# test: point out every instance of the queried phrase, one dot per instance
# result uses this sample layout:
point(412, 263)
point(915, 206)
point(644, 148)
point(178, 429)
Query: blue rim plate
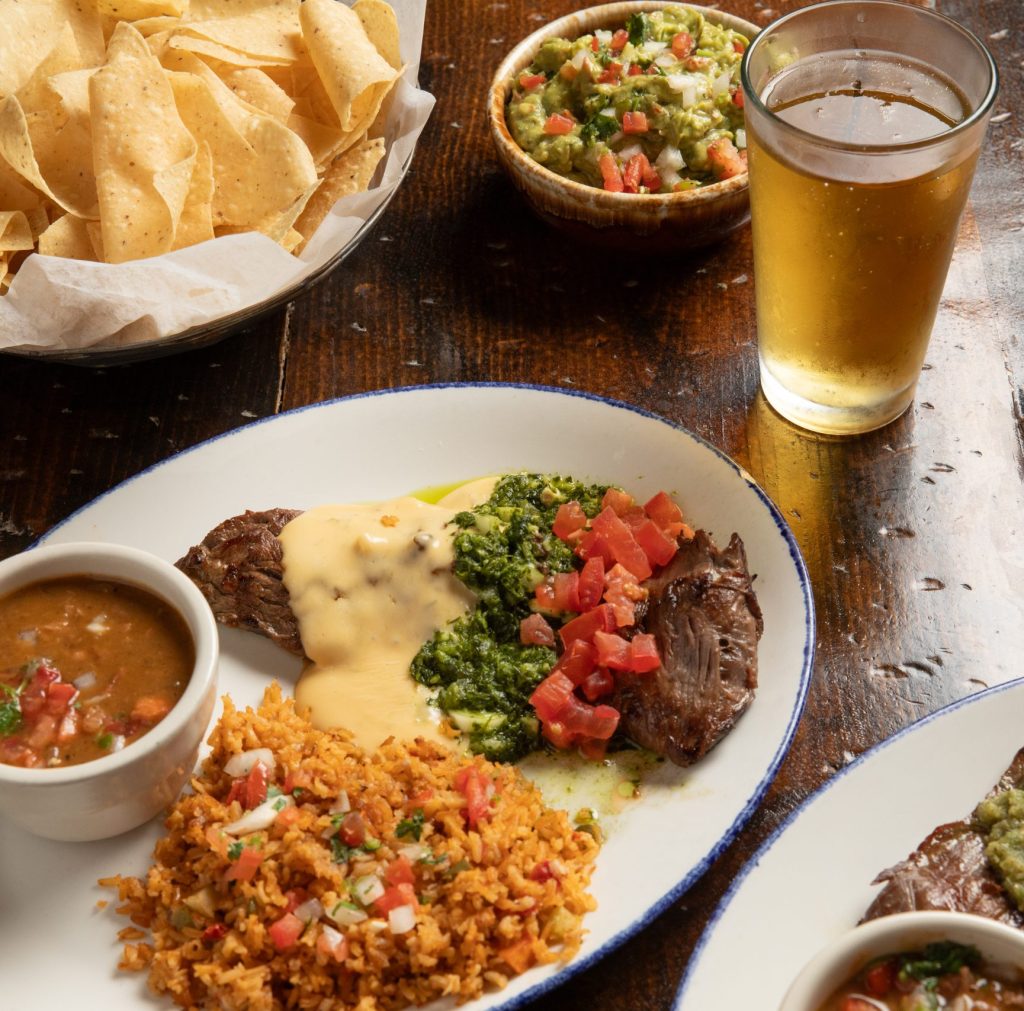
point(812, 879)
point(388, 443)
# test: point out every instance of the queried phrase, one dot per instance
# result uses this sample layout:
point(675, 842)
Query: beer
point(849, 270)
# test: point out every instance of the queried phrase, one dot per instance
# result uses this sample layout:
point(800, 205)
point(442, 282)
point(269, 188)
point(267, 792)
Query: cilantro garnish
point(639, 27)
point(411, 826)
point(235, 850)
point(340, 853)
point(10, 711)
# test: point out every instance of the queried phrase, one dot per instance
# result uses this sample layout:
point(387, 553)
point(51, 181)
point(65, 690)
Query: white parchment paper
point(62, 304)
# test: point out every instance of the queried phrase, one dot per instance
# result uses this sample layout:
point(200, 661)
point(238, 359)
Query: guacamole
point(1001, 820)
point(652, 107)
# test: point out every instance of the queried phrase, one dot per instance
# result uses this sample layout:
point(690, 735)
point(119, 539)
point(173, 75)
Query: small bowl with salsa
point(933, 959)
point(623, 124)
point(108, 669)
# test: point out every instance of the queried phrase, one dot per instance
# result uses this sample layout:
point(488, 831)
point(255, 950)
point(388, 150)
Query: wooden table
point(911, 534)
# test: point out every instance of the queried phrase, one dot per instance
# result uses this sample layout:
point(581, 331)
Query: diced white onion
point(241, 765)
point(721, 85)
point(29, 635)
point(629, 152)
point(310, 910)
point(665, 60)
point(578, 59)
point(117, 743)
point(367, 889)
point(689, 96)
point(329, 940)
point(741, 138)
point(669, 179)
point(625, 68)
point(401, 919)
point(346, 915)
point(378, 925)
point(670, 159)
point(652, 48)
point(98, 625)
point(603, 36)
point(607, 112)
point(615, 138)
point(259, 817)
point(85, 681)
point(412, 852)
point(341, 805)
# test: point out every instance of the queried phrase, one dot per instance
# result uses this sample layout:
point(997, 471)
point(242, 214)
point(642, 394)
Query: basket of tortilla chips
point(169, 169)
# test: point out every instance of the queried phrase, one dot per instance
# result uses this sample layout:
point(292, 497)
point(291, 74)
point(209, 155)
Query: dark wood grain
point(911, 534)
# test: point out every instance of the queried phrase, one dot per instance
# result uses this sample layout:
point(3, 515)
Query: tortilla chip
point(262, 28)
point(350, 173)
point(31, 28)
point(143, 154)
point(15, 193)
point(355, 76)
point(261, 168)
point(257, 89)
point(292, 240)
point(154, 25)
point(196, 223)
point(137, 10)
point(15, 232)
point(204, 47)
point(67, 236)
point(381, 27)
point(325, 143)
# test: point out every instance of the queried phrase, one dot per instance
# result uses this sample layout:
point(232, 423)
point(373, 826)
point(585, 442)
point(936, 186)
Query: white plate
point(811, 881)
point(381, 445)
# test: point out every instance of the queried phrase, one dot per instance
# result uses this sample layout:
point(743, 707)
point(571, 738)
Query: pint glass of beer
point(864, 121)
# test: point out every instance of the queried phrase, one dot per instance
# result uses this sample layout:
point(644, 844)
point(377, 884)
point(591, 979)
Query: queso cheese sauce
point(86, 666)
point(369, 584)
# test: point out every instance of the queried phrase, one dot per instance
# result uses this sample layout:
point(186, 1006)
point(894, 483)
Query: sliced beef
point(238, 568)
point(705, 617)
point(949, 871)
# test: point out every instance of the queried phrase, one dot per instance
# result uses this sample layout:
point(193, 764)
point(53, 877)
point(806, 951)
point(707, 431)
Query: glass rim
point(979, 113)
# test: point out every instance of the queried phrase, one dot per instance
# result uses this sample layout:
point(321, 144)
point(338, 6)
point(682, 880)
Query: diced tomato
point(558, 734)
point(287, 816)
point(530, 81)
point(558, 123)
point(214, 932)
point(649, 176)
point(535, 631)
point(594, 545)
point(577, 661)
point(622, 592)
point(297, 780)
point(419, 798)
point(400, 871)
point(44, 733)
point(544, 598)
point(218, 841)
point(34, 694)
point(569, 519)
point(59, 696)
point(666, 514)
point(478, 789)
point(620, 502)
point(737, 98)
point(619, 40)
point(682, 45)
point(398, 895)
point(725, 160)
point(635, 70)
point(595, 44)
point(600, 618)
point(621, 541)
point(286, 931)
point(593, 750)
point(589, 721)
point(611, 74)
point(598, 684)
point(610, 173)
point(631, 174)
point(254, 790)
point(352, 830)
point(567, 591)
point(738, 46)
point(591, 584)
point(634, 122)
point(881, 978)
point(643, 653)
point(245, 867)
point(236, 792)
point(549, 696)
point(542, 872)
point(659, 548)
point(151, 709)
point(612, 651)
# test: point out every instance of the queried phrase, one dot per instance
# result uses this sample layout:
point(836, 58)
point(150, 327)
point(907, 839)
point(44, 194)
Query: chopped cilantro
point(598, 127)
point(462, 865)
point(941, 958)
point(105, 740)
point(340, 853)
point(431, 860)
point(297, 792)
point(411, 826)
point(235, 850)
point(639, 28)
point(10, 711)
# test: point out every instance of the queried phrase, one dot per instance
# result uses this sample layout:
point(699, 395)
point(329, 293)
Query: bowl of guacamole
point(624, 123)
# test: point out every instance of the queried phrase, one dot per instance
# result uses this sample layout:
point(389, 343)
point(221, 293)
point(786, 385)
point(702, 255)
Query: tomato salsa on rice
point(87, 666)
point(654, 106)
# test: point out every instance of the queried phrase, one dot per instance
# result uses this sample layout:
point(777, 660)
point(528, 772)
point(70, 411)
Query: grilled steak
point(949, 871)
point(701, 610)
point(238, 568)
point(705, 617)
